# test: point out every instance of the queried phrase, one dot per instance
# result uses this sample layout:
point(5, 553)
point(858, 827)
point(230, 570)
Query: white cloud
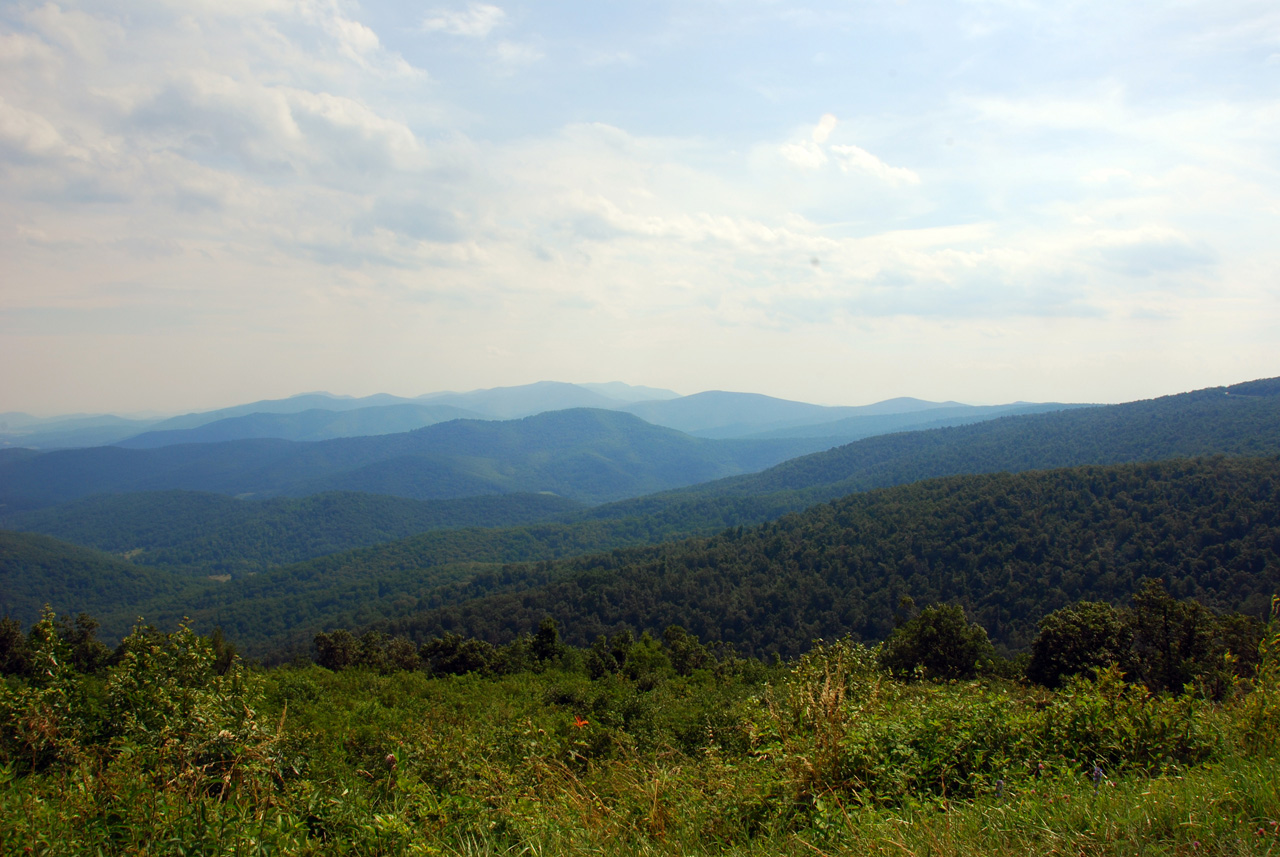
point(806, 155)
point(854, 159)
point(32, 135)
point(265, 166)
point(355, 40)
point(1106, 175)
point(822, 131)
point(476, 20)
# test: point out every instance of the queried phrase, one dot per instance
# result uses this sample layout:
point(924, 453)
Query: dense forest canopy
point(1009, 547)
point(205, 533)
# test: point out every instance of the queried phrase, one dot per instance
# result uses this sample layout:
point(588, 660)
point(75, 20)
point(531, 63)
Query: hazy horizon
point(212, 203)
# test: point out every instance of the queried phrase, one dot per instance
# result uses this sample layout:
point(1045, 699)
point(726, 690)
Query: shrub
point(941, 641)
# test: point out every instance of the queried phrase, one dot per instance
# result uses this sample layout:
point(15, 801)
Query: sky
point(208, 202)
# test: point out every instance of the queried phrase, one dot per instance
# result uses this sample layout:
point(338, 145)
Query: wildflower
point(580, 722)
point(1000, 790)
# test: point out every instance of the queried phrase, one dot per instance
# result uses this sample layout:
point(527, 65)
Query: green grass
point(827, 756)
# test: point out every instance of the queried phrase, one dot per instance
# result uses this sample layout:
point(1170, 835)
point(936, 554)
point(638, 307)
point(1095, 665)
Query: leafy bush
point(941, 642)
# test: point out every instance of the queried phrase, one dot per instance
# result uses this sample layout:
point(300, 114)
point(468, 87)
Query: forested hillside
point(36, 570)
point(285, 606)
point(1243, 419)
point(217, 535)
point(204, 533)
point(438, 570)
point(1011, 548)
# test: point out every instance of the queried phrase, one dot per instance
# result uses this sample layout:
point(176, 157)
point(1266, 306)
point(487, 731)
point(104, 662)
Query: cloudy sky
point(205, 202)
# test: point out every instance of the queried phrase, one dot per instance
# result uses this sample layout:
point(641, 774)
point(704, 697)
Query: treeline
point(1009, 547)
point(63, 643)
point(1159, 641)
point(644, 659)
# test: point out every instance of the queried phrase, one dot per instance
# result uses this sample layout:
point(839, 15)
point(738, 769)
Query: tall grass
point(829, 756)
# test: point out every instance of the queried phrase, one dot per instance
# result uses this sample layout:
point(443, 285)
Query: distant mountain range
point(590, 456)
point(311, 424)
point(433, 570)
point(322, 416)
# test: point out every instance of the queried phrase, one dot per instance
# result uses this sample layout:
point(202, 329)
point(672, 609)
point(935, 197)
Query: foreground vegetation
point(634, 746)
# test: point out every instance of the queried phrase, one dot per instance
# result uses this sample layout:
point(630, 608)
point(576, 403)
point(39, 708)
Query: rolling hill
point(205, 534)
point(589, 456)
point(312, 424)
point(388, 580)
point(1009, 547)
point(1243, 419)
point(36, 570)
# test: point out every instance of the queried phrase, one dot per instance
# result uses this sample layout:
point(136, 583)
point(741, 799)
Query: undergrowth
point(164, 755)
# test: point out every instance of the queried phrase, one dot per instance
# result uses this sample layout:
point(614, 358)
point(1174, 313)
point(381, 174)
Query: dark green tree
point(453, 654)
point(685, 651)
point(546, 642)
point(402, 654)
point(336, 651)
point(1172, 639)
point(941, 640)
point(13, 647)
point(224, 653)
point(1078, 639)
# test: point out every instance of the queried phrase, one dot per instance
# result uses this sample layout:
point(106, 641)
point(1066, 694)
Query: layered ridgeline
point(320, 416)
point(590, 456)
point(1243, 419)
point(313, 424)
point(1234, 420)
point(213, 534)
point(1011, 547)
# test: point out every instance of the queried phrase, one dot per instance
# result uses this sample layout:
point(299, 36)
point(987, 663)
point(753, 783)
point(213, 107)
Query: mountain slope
point(721, 414)
point(1243, 419)
point(854, 428)
point(36, 570)
point(505, 403)
point(587, 455)
point(204, 534)
point(313, 424)
point(1010, 547)
point(291, 405)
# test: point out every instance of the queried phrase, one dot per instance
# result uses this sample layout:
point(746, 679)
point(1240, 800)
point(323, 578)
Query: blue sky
point(205, 202)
